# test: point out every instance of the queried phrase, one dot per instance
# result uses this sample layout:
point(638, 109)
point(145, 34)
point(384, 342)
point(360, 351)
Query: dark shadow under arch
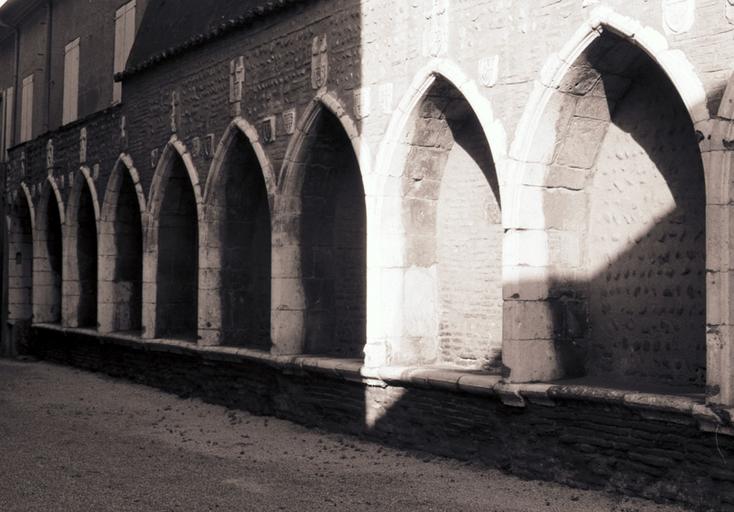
point(333, 241)
point(177, 265)
point(20, 260)
point(86, 252)
point(630, 185)
point(243, 231)
point(48, 281)
point(128, 263)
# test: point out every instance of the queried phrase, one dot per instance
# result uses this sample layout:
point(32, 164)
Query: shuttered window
point(26, 109)
point(124, 37)
point(7, 120)
point(2, 126)
point(71, 82)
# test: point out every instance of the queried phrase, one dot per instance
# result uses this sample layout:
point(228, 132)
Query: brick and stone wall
point(451, 225)
point(514, 192)
point(453, 231)
point(647, 244)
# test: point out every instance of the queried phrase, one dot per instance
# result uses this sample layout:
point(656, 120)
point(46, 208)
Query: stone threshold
point(656, 406)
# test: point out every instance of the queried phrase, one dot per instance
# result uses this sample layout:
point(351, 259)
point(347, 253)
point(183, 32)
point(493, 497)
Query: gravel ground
point(76, 441)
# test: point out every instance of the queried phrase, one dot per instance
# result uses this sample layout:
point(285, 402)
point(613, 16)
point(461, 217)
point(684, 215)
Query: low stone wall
point(656, 446)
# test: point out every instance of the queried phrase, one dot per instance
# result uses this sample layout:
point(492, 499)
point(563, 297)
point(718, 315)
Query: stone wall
point(452, 223)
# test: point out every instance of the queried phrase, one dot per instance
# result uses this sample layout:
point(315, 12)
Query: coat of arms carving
point(678, 15)
point(319, 62)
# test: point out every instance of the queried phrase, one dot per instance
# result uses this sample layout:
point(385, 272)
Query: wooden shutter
point(124, 37)
point(26, 109)
point(3, 106)
point(71, 82)
point(8, 119)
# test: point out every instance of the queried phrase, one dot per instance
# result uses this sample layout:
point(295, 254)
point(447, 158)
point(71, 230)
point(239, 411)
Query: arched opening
point(47, 260)
point(121, 251)
point(176, 290)
point(123, 262)
point(624, 205)
point(20, 260)
point(453, 231)
point(86, 252)
point(242, 232)
point(333, 241)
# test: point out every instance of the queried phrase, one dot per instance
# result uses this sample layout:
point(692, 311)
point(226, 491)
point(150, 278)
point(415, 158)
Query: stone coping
point(653, 405)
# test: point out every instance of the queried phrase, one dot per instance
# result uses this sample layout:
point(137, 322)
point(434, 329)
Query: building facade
point(518, 200)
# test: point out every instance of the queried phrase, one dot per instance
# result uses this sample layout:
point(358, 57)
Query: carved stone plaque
point(436, 35)
point(289, 121)
point(50, 155)
point(489, 70)
point(319, 61)
point(83, 145)
point(361, 102)
point(678, 15)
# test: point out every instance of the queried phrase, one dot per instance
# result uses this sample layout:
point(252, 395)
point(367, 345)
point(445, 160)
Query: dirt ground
point(77, 441)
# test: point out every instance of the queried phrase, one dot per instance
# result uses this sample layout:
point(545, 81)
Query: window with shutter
point(8, 119)
point(2, 126)
point(71, 82)
point(124, 37)
point(26, 109)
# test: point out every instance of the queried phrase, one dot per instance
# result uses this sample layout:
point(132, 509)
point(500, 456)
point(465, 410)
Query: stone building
point(490, 229)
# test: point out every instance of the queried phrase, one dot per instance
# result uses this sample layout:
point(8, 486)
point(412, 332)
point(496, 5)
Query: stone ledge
point(660, 406)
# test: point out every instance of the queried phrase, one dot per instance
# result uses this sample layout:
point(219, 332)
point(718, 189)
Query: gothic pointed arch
point(608, 223)
point(80, 250)
point(48, 254)
point(235, 277)
point(120, 261)
point(319, 269)
point(719, 166)
point(171, 247)
point(20, 256)
point(443, 179)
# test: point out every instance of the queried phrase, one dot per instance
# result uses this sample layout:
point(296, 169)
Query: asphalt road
point(76, 441)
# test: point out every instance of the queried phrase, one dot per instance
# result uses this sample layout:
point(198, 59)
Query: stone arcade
point(490, 229)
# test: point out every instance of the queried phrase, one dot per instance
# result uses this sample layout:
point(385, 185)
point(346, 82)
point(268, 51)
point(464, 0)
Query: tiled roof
point(170, 27)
